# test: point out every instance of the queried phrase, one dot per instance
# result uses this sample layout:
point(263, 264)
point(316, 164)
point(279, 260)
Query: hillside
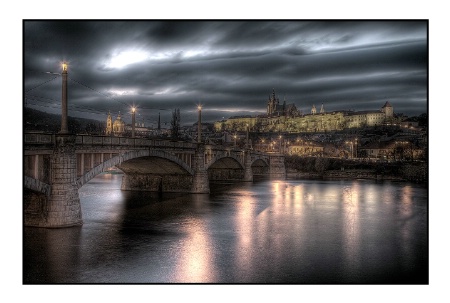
point(34, 120)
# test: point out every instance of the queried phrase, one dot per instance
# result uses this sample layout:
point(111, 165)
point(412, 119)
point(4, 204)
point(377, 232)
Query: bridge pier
point(63, 207)
point(200, 183)
point(277, 170)
point(248, 173)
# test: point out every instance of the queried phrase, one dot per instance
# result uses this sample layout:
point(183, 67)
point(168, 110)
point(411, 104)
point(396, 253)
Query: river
point(288, 232)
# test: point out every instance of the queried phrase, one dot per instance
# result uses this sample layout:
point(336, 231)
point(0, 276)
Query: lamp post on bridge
point(246, 138)
point(199, 129)
point(280, 143)
point(64, 128)
point(133, 120)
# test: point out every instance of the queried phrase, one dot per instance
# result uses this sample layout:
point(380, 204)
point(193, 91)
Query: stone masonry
point(63, 206)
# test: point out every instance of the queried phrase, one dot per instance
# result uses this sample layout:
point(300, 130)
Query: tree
point(175, 124)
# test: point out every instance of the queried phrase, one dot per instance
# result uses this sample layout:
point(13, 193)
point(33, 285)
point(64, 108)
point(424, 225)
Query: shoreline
point(349, 174)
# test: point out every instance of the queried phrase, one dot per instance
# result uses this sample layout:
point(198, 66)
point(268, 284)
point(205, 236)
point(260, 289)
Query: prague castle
point(287, 118)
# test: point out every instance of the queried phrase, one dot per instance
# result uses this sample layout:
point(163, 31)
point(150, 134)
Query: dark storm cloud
point(230, 67)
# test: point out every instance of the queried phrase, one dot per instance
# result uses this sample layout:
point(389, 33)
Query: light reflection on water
point(293, 231)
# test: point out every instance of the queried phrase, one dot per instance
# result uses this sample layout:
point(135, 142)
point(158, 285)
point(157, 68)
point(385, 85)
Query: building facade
point(116, 128)
point(286, 118)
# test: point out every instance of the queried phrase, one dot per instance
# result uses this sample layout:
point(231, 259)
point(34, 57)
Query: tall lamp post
point(133, 120)
point(64, 129)
point(280, 144)
point(246, 138)
point(351, 148)
point(199, 130)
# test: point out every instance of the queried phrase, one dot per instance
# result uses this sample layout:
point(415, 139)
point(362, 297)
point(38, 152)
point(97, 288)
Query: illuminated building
point(286, 118)
point(117, 128)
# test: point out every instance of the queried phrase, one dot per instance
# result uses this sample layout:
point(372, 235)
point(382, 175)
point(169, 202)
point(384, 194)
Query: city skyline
point(230, 67)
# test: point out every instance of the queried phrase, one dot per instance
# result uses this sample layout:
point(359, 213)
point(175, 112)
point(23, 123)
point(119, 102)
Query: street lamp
point(351, 148)
point(199, 130)
point(280, 144)
point(133, 120)
point(235, 137)
point(64, 128)
point(246, 139)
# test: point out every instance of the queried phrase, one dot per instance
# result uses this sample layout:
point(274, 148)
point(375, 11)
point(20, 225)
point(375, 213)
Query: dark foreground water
point(294, 231)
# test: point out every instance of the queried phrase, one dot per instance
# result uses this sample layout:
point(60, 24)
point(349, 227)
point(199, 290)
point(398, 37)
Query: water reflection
point(351, 229)
point(56, 254)
point(196, 258)
point(246, 227)
point(313, 232)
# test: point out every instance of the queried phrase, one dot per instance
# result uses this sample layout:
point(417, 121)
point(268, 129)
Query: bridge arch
point(259, 160)
point(222, 157)
point(225, 168)
point(127, 156)
point(260, 167)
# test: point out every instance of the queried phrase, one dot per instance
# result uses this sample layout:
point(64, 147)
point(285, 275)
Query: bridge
point(57, 165)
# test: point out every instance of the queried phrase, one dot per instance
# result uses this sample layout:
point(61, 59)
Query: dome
point(118, 126)
point(118, 122)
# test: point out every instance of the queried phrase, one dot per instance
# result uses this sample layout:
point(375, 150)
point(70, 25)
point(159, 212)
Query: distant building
point(286, 118)
point(275, 109)
point(394, 149)
point(305, 148)
point(114, 129)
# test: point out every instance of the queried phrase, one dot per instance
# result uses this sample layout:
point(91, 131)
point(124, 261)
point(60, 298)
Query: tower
point(322, 110)
point(388, 110)
point(108, 125)
point(272, 104)
point(159, 121)
point(313, 110)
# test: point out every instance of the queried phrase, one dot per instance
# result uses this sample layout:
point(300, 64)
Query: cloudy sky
point(230, 67)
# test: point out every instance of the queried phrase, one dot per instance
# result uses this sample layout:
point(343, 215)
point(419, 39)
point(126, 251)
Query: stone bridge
point(57, 165)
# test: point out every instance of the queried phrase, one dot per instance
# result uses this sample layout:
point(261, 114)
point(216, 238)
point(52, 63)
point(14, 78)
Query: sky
point(230, 67)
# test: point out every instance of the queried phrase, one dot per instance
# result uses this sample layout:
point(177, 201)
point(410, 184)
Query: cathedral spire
point(159, 121)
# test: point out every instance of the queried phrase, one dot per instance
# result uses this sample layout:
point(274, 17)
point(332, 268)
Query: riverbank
point(333, 168)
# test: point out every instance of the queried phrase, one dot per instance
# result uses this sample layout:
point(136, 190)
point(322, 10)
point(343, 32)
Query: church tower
point(388, 110)
point(159, 121)
point(322, 110)
point(313, 110)
point(272, 104)
point(108, 131)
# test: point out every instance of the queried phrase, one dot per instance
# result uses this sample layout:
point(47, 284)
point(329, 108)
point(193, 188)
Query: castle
point(287, 118)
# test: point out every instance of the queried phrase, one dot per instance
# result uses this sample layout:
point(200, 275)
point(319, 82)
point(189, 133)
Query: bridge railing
point(39, 138)
point(131, 142)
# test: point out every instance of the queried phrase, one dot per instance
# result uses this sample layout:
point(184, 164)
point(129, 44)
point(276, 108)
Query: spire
point(387, 104)
point(322, 110)
point(159, 121)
